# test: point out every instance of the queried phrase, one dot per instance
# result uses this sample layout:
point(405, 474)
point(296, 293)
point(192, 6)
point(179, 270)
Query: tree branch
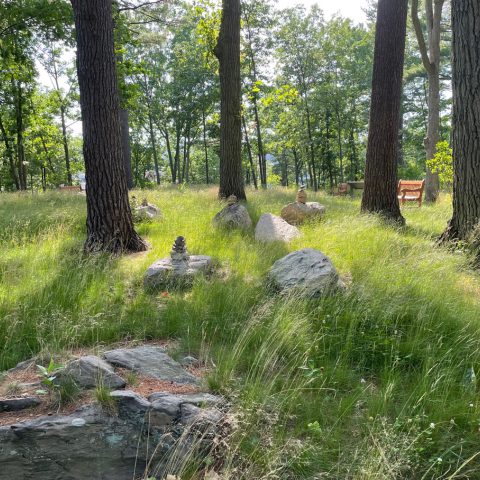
point(420, 38)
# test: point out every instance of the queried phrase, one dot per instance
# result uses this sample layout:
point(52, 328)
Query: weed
point(106, 401)
point(12, 388)
point(132, 379)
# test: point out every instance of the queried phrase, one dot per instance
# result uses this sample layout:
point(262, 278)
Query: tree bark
point(205, 144)
point(431, 62)
point(126, 147)
point(109, 218)
point(465, 121)
point(65, 145)
point(249, 153)
point(380, 188)
point(227, 51)
point(154, 146)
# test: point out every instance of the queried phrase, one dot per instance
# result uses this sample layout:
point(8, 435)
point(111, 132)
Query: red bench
point(410, 191)
point(341, 190)
point(76, 187)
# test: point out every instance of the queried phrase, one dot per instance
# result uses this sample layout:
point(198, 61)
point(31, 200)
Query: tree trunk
point(205, 144)
point(296, 165)
point(109, 218)
point(340, 142)
point(400, 159)
point(227, 51)
point(65, 145)
point(380, 188)
point(249, 153)
point(154, 146)
point(127, 150)
point(169, 150)
point(465, 121)
point(261, 156)
point(431, 62)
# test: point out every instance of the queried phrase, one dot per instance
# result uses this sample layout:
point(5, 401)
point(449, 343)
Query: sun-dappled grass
point(386, 396)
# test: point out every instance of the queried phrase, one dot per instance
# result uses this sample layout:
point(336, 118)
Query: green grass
point(408, 326)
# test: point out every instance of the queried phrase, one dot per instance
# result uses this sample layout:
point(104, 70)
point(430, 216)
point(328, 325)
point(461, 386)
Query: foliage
point(48, 374)
point(442, 164)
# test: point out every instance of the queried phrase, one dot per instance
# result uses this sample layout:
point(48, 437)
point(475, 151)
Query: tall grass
point(387, 397)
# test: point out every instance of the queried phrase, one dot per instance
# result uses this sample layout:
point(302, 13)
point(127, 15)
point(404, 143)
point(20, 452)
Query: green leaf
point(43, 369)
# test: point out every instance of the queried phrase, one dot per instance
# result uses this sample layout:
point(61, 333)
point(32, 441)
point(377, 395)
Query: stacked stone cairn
point(233, 215)
point(301, 210)
point(178, 269)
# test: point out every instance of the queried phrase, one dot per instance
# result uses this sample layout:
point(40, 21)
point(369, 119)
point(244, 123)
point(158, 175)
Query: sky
point(347, 8)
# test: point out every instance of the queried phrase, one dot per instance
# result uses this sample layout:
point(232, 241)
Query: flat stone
point(170, 271)
point(308, 270)
point(130, 403)
point(15, 404)
point(271, 228)
point(188, 360)
point(22, 365)
point(233, 216)
point(151, 362)
point(164, 410)
point(298, 212)
point(88, 371)
point(200, 399)
point(149, 211)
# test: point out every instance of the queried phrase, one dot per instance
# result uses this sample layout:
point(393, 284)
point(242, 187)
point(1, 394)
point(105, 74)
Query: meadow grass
point(387, 396)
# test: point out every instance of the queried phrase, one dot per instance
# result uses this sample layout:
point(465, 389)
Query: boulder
point(178, 272)
point(307, 270)
point(271, 228)
point(15, 404)
point(91, 444)
point(22, 365)
point(298, 212)
point(233, 216)
point(149, 211)
point(88, 371)
point(151, 362)
point(199, 417)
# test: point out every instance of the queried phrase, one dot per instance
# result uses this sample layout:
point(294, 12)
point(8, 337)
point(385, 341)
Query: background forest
point(306, 92)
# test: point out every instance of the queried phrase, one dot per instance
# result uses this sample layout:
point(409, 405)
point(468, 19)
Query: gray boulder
point(176, 272)
point(15, 404)
point(307, 270)
point(22, 365)
point(151, 362)
point(233, 216)
point(91, 444)
point(199, 417)
point(271, 228)
point(298, 212)
point(148, 211)
point(89, 371)
point(188, 360)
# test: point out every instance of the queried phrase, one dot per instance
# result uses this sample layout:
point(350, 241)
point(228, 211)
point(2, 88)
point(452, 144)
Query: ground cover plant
point(370, 384)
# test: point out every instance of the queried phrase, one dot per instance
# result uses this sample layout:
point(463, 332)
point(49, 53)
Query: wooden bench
point(410, 191)
point(341, 190)
point(76, 187)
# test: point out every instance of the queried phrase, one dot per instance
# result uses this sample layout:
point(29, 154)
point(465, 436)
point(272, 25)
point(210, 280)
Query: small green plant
point(48, 374)
point(67, 391)
point(314, 428)
point(310, 369)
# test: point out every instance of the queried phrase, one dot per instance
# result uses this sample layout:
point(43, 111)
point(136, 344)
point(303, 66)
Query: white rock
point(271, 228)
point(308, 270)
point(297, 212)
point(235, 215)
point(150, 211)
point(167, 270)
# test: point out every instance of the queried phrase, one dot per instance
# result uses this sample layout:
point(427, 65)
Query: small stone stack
point(180, 268)
point(301, 210)
point(233, 215)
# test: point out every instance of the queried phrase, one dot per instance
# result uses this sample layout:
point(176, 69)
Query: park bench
point(341, 190)
point(410, 191)
point(74, 188)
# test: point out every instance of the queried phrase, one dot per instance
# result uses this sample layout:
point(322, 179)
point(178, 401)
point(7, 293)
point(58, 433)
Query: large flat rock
point(151, 362)
point(167, 271)
point(308, 271)
point(298, 212)
point(91, 444)
point(89, 371)
point(16, 404)
point(271, 228)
